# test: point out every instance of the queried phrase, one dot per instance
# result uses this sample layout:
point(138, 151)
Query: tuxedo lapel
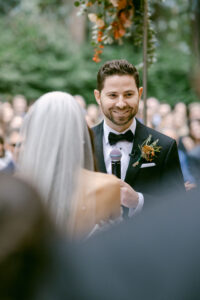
point(98, 139)
point(141, 134)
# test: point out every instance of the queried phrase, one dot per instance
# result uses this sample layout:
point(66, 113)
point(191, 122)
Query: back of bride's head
point(56, 146)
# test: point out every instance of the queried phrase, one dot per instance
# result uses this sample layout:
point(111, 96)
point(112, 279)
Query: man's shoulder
point(97, 128)
point(163, 139)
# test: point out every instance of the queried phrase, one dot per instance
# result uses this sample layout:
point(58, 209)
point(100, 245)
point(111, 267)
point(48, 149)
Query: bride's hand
point(129, 197)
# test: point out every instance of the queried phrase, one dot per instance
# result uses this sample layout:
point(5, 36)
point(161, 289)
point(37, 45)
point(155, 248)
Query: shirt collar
point(107, 130)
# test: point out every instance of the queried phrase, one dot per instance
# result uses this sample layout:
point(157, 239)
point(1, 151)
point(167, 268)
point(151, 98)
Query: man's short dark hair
point(116, 67)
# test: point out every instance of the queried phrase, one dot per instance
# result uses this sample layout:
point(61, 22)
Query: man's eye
point(112, 95)
point(129, 95)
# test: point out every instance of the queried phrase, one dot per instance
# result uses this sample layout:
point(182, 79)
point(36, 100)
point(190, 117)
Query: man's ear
point(140, 92)
point(97, 96)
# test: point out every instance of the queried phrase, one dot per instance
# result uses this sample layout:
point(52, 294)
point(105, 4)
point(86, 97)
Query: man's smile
point(121, 112)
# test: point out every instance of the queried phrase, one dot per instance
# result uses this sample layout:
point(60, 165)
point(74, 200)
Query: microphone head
point(115, 155)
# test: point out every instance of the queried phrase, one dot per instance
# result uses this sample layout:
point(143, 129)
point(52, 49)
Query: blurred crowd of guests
point(183, 124)
point(180, 122)
point(11, 119)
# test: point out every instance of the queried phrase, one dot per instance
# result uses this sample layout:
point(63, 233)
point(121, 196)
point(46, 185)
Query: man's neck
point(118, 128)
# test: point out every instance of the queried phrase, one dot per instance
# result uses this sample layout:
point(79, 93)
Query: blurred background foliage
point(44, 46)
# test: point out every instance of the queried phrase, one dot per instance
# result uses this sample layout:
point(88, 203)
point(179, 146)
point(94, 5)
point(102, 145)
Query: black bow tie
point(114, 138)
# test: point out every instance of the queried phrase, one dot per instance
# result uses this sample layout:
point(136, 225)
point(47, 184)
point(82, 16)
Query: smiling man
point(119, 99)
point(149, 165)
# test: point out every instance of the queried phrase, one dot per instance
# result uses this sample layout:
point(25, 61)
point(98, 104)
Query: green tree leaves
point(7, 6)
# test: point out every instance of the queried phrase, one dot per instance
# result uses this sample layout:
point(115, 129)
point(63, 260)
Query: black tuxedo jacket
point(164, 177)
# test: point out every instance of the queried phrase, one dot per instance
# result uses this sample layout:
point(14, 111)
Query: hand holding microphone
point(129, 197)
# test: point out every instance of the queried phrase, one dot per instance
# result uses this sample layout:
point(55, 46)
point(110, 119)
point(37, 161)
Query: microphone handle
point(116, 168)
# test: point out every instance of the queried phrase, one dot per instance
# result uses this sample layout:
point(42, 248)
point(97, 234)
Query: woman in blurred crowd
point(6, 160)
point(56, 156)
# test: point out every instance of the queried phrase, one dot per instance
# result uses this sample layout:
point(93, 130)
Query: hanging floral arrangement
point(112, 21)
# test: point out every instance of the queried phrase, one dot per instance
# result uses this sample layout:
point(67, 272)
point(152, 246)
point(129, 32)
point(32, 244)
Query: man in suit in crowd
point(147, 170)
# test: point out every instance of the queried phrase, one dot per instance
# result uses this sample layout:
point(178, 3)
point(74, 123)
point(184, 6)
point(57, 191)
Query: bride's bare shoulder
point(101, 179)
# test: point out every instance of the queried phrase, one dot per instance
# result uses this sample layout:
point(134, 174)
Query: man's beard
point(121, 120)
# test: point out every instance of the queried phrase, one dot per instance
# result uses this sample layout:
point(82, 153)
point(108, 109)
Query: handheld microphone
point(115, 156)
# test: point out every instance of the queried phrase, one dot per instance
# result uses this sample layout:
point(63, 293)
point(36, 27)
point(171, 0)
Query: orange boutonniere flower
point(148, 150)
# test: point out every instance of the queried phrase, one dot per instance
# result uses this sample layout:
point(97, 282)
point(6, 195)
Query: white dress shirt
point(125, 148)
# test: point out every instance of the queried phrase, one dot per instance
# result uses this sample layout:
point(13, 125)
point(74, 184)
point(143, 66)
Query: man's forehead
point(116, 81)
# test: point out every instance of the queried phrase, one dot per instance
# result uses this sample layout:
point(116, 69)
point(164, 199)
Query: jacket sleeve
point(171, 175)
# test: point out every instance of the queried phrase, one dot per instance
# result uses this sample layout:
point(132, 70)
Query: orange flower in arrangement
point(98, 50)
point(125, 17)
point(97, 53)
point(99, 36)
point(122, 4)
point(88, 4)
point(118, 30)
point(96, 58)
point(148, 150)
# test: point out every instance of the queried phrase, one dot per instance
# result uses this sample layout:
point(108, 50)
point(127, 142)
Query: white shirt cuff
point(138, 208)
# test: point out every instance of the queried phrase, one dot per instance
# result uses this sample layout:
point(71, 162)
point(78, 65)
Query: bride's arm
point(107, 198)
point(99, 200)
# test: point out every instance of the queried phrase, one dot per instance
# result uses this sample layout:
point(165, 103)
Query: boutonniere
point(148, 150)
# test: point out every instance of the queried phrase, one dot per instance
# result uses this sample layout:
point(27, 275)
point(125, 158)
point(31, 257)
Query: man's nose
point(121, 103)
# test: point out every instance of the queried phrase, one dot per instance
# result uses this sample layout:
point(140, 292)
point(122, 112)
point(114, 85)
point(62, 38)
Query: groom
point(148, 170)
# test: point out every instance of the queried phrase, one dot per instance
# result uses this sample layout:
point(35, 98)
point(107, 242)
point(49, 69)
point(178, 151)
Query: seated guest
point(183, 157)
point(6, 160)
point(194, 157)
point(56, 156)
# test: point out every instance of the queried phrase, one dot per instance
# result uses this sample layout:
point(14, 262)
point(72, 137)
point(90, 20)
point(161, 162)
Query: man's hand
point(189, 185)
point(129, 197)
